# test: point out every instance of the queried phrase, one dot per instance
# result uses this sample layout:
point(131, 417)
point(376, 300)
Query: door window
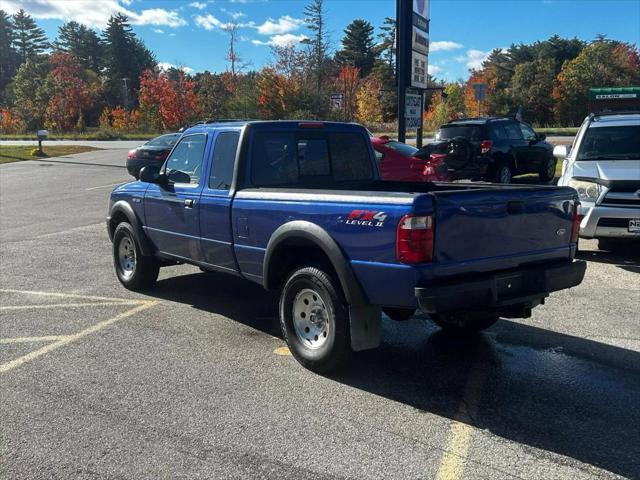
point(224, 159)
point(513, 131)
point(185, 163)
point(528, 133)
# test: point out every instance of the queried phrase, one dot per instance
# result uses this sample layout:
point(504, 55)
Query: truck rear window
point(473, 133)
point(297, 159)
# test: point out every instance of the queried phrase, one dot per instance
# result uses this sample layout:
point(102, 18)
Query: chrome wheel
point(310, 319)
point(127, 257)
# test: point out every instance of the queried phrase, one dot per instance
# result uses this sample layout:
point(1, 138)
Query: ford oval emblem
point(560, 232)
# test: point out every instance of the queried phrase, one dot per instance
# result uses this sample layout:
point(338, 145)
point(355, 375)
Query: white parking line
point(48, 338)
point(119, 301)
point(107, 186)
point(65, 305)
point(67, 339)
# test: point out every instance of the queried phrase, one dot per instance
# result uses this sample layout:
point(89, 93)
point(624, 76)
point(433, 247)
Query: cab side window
point(224, 159)
point(185, 163)
point(513, 131)
point(528, 133)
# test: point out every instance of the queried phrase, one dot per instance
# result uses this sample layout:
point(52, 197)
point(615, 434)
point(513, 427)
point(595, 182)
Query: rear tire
point(135, 271)
point(465, 324)
point(548, 172)
point(503, 173)
point(314, 319)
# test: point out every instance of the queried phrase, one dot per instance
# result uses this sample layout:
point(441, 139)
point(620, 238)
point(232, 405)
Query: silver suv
point(604, 167)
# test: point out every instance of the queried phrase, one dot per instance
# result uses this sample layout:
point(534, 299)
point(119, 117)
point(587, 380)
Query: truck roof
point(284, 125)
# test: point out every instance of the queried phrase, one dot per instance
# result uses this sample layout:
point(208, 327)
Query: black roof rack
point(606, 113)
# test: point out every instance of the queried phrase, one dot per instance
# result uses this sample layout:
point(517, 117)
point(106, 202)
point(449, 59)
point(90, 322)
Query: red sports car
point(397, 162)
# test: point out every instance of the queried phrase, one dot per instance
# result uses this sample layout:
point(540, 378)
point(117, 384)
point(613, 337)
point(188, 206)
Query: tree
point(347, 85)
point(531, 88)
point(82, 42)
point(368, 102)
point(488, 77)
point(358, 49)
point(125, 58)
point(8, 54)
point(173, 101)
point(236, 62)
point(387, 46)
point(29, 92)
point(29, 39)
point(72, 92)
point(604, 63)
point(454, 93)
point(212, 95)
point(318, 50)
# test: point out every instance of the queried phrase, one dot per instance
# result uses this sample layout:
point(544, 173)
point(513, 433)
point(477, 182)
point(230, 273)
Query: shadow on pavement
point(564, 394)
point(628, 260)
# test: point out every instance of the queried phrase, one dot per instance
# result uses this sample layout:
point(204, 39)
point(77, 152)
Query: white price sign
point(418, 70)
point(413, 110)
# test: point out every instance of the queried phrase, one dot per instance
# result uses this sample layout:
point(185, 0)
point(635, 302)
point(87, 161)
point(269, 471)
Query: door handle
point(189, 203)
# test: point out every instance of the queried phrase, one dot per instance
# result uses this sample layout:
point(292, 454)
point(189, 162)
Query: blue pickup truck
point(299, 208)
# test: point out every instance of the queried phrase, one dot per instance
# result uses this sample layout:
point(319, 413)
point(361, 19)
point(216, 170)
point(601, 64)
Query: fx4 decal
point(366, 218)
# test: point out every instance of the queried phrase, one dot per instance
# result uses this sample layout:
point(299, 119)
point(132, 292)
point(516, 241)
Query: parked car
point(299, 208)
point(397, 161)
point(493, 149)
point(153, 152)
point(604, 167)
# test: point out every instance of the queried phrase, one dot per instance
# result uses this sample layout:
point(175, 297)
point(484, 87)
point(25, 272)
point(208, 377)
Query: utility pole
point(401, 65)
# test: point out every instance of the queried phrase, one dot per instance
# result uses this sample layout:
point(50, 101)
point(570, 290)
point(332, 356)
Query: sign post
point(42, 135)
point(412, 43)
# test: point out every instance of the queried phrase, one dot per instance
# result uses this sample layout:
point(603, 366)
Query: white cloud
point(209, 22)
point(284, 24)
point(281, 40)
point(93, 13)
point(434, 69)
point(158, 30)
point(473, 58)
point(198, 5)
point(167, 66)
point(444, 45)
point(234, 15)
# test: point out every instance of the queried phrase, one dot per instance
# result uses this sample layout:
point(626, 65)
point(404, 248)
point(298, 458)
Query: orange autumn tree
point(475, 108)
point(73, 91)
point(165, 102)
point(347, 84)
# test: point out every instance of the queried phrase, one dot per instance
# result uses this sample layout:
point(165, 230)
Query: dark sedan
point(154, 152)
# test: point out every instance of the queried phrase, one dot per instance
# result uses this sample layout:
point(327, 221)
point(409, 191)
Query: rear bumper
point(525, 287)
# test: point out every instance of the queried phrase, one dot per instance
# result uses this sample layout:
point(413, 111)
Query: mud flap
point(366, 327)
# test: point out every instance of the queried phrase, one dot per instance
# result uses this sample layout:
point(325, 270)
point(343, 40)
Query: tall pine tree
point(8, 54)
point(125, 58)
point(81, 42)
point(30, 40)
point(358, 47)
point(318, 50)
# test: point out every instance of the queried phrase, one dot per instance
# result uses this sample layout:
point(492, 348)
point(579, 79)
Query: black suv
point(493, 149)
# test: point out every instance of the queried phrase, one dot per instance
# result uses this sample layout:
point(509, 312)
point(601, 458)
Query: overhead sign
point(418, 70)
point(420, 41)
point(413, 109)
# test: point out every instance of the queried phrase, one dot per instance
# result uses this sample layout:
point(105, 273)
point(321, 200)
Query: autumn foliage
point(170, 102)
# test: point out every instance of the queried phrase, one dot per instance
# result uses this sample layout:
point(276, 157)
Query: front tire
point(548, 172)
point(465, 324)
point(134, 271)
point(314, 319)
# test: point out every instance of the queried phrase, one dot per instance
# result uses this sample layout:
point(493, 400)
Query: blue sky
point(190, 34)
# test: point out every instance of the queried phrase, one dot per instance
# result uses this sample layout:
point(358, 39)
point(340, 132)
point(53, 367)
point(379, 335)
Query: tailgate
point(502, 221)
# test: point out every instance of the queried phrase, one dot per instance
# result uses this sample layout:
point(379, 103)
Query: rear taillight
point(414, 239)
point(428, 170)
point(485, 146)
point(575, 227)
point(131, 154)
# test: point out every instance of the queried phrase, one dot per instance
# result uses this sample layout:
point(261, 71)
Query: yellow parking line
point(5, 367)
point(48, 338)
point(283, 351)
point(66, 305)
point(457, 448)
point(124, 301)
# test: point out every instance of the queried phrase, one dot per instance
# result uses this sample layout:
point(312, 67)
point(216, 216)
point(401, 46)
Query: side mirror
point(560, 152)
point(150, 174)
point(541, 137)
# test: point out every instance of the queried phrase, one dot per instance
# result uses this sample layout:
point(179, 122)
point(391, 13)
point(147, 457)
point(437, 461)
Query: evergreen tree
point(81, 42)
point(29, 39)
point(8, 55)
point(387, 46)
point(125, 58)
point(318, 50)
point(358, 47)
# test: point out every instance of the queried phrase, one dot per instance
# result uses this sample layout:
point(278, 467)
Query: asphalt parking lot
point(192, 380)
